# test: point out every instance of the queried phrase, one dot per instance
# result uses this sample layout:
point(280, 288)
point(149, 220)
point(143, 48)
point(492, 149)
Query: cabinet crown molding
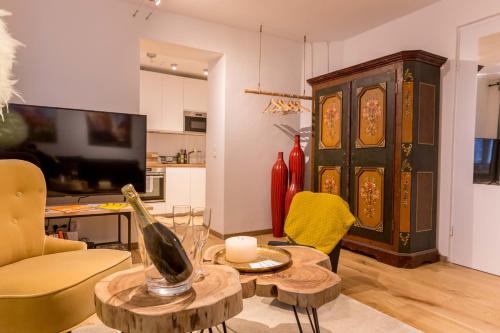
point(418, 55)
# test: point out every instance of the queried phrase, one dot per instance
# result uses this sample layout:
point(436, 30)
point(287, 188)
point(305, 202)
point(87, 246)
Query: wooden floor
point(439, 297)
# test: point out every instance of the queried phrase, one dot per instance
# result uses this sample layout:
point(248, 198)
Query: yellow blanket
point(319, 220)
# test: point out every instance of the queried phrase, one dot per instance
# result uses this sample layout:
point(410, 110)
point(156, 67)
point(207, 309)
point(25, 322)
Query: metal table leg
point(316, 319)
point(297, 319)
point(119, 228)
point(129, 233)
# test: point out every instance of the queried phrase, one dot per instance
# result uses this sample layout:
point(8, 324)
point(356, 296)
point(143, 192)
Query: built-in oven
point(155, 185)
point(195, 121)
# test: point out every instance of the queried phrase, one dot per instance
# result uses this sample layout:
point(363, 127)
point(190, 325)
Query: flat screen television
point(485, 160)
point(80, 152)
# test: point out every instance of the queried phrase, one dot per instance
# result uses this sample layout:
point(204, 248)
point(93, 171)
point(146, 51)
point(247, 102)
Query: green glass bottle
point(164, 248)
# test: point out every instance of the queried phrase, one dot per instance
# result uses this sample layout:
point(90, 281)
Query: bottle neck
point(143, 215)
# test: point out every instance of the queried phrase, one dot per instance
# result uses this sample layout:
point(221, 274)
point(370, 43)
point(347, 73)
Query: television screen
point(485, 160)
point(79, 152)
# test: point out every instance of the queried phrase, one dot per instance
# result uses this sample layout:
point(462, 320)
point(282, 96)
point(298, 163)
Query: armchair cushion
point(56, 245)
point(62, 284)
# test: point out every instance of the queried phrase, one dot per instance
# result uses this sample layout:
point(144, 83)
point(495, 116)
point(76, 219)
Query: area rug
point(264, 315)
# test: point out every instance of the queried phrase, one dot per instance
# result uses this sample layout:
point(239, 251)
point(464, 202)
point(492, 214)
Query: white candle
point(241, 249)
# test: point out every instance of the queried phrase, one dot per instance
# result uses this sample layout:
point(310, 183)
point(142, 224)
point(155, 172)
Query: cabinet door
point(195, 95)
point(177, 187)
point(172, 92)
point(372, 154)
point(197, 188)
point(151, 99)
point(331, 134)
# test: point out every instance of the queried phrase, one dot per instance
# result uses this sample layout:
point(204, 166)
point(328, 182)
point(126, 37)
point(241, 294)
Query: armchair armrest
point(56, 245)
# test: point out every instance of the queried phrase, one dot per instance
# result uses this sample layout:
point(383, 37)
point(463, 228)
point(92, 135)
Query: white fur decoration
point(8, 47)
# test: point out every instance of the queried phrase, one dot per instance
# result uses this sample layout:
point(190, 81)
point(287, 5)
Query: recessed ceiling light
point(173, 67)
point(157, 2)
point(205, 71)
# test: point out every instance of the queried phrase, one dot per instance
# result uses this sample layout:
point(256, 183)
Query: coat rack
point(281, 105)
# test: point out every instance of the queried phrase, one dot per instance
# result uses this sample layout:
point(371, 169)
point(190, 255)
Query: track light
point(173, 67)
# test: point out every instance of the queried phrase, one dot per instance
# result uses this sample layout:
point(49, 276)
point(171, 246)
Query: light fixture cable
point(304, 68)
point(260, 53)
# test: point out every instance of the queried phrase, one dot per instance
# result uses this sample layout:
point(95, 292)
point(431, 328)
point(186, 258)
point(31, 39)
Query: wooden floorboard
point(438, 297)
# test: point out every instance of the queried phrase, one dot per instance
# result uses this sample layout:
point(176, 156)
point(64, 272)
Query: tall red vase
point(290, 193)
point(296, 162)
point(279, 183)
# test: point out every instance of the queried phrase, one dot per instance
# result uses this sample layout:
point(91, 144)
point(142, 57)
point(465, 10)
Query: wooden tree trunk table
point(307, 283)
point(123, 302)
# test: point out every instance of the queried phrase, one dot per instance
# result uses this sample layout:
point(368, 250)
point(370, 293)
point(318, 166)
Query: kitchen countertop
point(174, 165)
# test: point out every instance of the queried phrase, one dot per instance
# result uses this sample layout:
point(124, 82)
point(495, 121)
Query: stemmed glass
point(182, 228)
point(200, 219)
point(182, 221)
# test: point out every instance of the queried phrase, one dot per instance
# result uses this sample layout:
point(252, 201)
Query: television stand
point(91, 210)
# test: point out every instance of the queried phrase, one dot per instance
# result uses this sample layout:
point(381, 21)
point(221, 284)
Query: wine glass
point(200, 220)
point(181, 222)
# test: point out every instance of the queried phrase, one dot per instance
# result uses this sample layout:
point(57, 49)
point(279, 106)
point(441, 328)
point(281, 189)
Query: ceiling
point(189, 61)
point(320, 20)
point(489, 50)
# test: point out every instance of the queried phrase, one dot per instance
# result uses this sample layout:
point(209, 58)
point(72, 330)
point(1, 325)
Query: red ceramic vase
point(296, 162)
point(290, 193)
point(279, 183)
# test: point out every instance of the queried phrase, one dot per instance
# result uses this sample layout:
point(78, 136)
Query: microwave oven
point(195, 121)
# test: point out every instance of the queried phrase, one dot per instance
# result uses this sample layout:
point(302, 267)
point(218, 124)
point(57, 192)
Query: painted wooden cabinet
point(375, 143)
point(195, 95)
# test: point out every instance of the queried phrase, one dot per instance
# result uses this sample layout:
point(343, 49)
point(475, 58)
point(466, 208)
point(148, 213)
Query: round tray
point(281, 256)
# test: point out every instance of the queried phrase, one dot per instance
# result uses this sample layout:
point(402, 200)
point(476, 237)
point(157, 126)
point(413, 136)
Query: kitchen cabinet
point(177, 187)
point(195, 95)
point(164, 98)
point(151, 99)
point(184, 186)
point(172, 106)
point(197, 187)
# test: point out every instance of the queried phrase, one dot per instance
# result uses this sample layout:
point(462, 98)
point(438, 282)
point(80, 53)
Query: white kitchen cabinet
point(195, 95)
point(164, 98)
point(184, 186)
point(173, 92)
point(197, 187)
point(177, 187)
point(151, 100)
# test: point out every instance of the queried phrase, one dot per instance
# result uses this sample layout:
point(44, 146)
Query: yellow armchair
point(46, 284)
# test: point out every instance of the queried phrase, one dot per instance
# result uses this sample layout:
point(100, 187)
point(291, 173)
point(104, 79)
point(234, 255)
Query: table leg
point(129, 227)
point(224, 327)
point(297, 318)
point(119, 228)
point(316, 320)
point(310, 321)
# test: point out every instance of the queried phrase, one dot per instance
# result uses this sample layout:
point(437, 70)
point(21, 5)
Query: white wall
point(85, 54)
point(487, 106)
point(433, 29)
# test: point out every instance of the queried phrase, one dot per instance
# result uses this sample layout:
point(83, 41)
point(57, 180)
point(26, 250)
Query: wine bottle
point(164, 248)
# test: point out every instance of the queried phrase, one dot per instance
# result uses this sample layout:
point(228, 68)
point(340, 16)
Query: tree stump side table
point(307, 283)
point(123, 302)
